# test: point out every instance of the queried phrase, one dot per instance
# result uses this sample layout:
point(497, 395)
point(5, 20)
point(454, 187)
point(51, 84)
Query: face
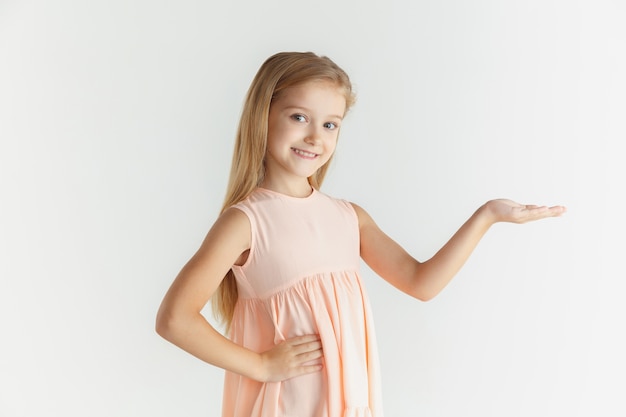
point(303, 127)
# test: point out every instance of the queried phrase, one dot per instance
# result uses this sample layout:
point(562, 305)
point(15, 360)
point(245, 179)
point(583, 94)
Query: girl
point(280, 264)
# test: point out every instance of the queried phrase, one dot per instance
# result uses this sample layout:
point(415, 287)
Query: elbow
point(164, 324)
point(161, 326)
point(423, 292)
point(173, 324)
point(419, 293)
point(416, 283)
point(423, 295)
point(424, 284)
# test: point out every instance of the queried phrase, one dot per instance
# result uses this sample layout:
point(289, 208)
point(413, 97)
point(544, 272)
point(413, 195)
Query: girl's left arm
point(424, 280)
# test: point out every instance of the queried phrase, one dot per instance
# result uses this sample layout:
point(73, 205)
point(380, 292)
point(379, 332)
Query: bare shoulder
point(363, 216)
point(233, 218)
point(224, 244)
point(232, 228)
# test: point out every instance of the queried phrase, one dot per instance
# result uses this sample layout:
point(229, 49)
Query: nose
point(313, 136)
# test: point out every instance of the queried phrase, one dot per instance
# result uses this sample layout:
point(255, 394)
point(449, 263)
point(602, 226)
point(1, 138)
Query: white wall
point(116, 127)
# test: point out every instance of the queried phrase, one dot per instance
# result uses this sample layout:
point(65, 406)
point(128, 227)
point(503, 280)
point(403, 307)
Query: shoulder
point(256, 200)
point(234, 215)
point(227, 239)
point(363, 216)
point(354, 209)
point(232, 225)
point(336, 201)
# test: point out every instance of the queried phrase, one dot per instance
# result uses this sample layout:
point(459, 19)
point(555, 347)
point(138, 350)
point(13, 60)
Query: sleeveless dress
point(302, 277)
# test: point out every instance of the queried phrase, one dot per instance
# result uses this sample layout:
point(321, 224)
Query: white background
point(117, 121)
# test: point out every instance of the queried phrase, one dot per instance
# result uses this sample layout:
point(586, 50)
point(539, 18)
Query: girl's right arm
point(180, 321)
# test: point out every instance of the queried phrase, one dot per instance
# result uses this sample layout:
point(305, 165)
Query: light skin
point(304, 122)
point(303, 126)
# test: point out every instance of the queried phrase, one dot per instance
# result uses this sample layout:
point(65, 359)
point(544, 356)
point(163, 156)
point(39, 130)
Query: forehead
point(319, 94)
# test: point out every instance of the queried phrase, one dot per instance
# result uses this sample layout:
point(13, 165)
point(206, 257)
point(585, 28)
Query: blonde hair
point(279, 72)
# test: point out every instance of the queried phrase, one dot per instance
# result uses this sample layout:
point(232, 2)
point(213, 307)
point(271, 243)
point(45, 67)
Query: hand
point(287, 359)
point(503, 210)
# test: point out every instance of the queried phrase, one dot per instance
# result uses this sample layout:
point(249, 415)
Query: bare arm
point(424, 280)
point(180, 321)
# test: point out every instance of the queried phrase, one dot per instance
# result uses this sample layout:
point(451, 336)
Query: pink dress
point(302, 277)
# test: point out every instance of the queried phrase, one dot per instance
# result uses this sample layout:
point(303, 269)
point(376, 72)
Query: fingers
point(531, 212)
point(503, 210)
point(298, 340)
point(309, 351)
point(306, 348)
point(558, 210)
point(545, 210)
point(293, 357)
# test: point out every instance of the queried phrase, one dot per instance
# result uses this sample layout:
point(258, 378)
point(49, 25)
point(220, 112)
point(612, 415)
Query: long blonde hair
point(279, 72)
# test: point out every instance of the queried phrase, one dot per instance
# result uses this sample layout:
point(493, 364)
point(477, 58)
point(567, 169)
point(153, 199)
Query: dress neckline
point(289, 197)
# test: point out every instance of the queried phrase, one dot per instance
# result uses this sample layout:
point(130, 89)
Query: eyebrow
point(308, 111)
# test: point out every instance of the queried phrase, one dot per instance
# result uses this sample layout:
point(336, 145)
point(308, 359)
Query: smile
point(304, 154)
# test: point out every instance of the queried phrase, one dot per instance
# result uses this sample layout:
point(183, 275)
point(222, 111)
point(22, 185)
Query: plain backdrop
point(117, 121)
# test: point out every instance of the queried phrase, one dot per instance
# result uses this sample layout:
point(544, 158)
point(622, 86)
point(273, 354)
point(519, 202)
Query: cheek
point(274, 141)
point(332, 144)
point(329, 150)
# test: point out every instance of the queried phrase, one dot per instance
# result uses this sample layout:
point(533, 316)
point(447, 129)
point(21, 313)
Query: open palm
point(504, 210)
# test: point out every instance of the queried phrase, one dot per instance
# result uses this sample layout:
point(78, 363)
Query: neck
point(300, 189)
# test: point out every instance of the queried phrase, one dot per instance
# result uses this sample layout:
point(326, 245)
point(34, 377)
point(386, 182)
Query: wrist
point(486, 214)
point(259, 371)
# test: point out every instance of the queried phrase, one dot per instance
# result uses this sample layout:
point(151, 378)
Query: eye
point(330, 125)
point(299, 118)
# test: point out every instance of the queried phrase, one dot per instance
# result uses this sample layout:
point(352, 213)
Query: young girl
point(281, 263)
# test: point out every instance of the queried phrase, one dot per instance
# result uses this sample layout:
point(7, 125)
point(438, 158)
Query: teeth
point(304, 153)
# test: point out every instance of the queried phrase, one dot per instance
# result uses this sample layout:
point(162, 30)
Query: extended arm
point(424, 280)
point(180, 321)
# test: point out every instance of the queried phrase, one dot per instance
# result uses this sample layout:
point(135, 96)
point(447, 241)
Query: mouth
point(304, 154)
